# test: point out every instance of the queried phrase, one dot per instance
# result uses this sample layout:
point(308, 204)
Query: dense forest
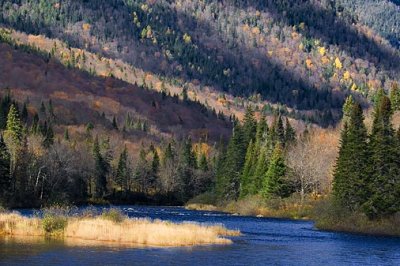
point(258, 49)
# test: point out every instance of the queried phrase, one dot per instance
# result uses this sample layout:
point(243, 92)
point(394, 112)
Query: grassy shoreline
point(112, 228)
point(320, 211)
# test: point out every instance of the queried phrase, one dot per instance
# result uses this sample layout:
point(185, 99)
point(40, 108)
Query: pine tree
point(203, 163)
point(101, 171)
point(274, 184)
point(114, 123)
point(247, 174)
point(290, 133)
point(347, 108)
point(385, 184)
point(122, 173)
point(249, 125)
point(228, 181)
point(5, 180)
point(168, 154)
point(24, 113)
point(13, 137)
point(395, 96)
point(351, 176)
point(280, 131)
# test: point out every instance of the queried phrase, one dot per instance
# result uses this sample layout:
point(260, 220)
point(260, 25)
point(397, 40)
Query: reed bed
point(101, 229)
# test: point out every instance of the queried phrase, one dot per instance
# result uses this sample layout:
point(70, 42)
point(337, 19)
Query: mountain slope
point(80, 98)
point(302, 54)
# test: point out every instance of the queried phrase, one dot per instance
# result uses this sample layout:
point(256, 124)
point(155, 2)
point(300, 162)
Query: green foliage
point(274, 184)
point(114, 215)
point(351, 176)
point(54, 219)
point(101, 171)
point(367, 173)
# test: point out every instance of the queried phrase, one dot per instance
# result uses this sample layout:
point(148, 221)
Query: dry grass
point(201, 207)
point(97, 230)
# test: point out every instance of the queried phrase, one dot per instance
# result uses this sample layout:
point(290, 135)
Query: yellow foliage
point(354, 87)
point(338, 63)
point(301, 46)
point(322, 51)
point(346, 75)
point(187, 38)
point(270, 53)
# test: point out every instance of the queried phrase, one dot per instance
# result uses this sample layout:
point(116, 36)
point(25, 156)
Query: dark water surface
point(264, 242)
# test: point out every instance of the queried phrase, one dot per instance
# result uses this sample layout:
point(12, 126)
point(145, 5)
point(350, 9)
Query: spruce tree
point(395, 97)
point(347, 107)
point(385, 184)
point(247, 174)
point(13, 137)
point(290, 133)
point(228, 181)
point(122, 174)
point(101, 171)
point(249, 125)
point(351, 176)
point(114, 123)
point(5, 180)
point(274, 183)
point(203, 163)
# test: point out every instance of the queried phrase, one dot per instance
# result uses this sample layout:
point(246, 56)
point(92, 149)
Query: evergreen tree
point(395, 97)
point(247, 174)
point(351, 176)
point(122, 174)
point(142, 171)
point(5, 181)
point(228, 182)
point(114, 123)
point(24, 113)
point(168, 154)
point(347, 108)
point(249, 125)
point(101, 171)
point(13, 137)
point(290, 134)
point(203, 163)
point(385, 184)
point(274, 184)
point(280, 131)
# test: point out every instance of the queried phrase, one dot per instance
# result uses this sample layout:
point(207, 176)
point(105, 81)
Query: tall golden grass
point(97, 230)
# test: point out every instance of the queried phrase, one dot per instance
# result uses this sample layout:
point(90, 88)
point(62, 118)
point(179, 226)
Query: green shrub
point(53, 223)
point(114, 215)
point(205, 198)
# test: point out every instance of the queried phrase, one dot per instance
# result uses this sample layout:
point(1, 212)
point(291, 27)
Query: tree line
point(41, 165)
point(367, 172)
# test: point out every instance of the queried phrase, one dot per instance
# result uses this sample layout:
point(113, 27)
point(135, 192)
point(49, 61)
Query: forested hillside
point(305, 55)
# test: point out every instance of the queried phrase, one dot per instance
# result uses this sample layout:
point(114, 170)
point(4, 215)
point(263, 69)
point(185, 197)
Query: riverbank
point(289, 208)
point(112, 227)
point(325, 216)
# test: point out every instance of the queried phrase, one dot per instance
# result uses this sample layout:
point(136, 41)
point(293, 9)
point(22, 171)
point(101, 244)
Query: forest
point(312, 62)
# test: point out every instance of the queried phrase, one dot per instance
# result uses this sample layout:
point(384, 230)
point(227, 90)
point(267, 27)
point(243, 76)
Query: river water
point(264, 242)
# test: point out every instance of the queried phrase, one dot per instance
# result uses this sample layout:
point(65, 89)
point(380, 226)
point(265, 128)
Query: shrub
point(53, 224)
point(114, 215)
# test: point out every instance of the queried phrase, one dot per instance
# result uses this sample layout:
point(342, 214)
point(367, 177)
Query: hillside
point(80, 98)
point(269, 52)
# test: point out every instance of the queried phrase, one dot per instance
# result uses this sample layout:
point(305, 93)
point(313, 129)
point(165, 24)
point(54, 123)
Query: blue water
point(264, 242)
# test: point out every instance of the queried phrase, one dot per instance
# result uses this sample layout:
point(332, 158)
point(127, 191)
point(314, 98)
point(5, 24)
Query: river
point(264, 242)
